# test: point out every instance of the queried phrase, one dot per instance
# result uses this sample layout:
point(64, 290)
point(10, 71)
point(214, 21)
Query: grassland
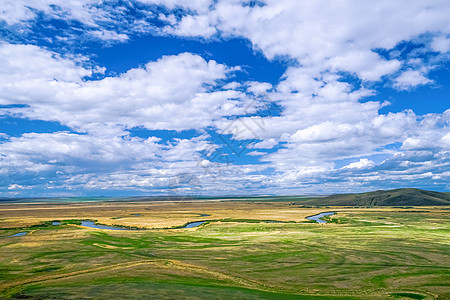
point(362, 253)
point(397, 197)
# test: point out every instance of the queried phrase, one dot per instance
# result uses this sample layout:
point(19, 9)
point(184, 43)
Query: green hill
point(398, 197)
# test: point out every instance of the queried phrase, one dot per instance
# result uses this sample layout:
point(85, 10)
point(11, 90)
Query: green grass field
point(365, 254)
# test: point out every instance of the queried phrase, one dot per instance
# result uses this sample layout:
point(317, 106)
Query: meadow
point(244, 250)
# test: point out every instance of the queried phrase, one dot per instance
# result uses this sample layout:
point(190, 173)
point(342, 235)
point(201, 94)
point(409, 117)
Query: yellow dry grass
point(163, 214)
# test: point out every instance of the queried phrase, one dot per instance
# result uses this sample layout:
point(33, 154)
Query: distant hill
point(398, 197)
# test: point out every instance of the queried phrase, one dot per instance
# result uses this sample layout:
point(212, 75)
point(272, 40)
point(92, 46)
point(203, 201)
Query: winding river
point(193, 224)
point(17, 234)
point(318, 217)
point(92, 224)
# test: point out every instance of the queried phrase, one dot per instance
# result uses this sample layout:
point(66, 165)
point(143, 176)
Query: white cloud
point(64, 158)
point(17, 187)
point(193, 5)
point(362, 163)
point(411, 78)
point(344, 32)
point(85, 11)
point(255, 153)
point(65, 161)
point(324, 132)
point(109, 35)
point(441, 44)
point(266, 144)
point(320, 35)
point(445, 140)
point(30, 65)
point(193, 26)
point(367, 65)
point(324, 117)
point(171, 93)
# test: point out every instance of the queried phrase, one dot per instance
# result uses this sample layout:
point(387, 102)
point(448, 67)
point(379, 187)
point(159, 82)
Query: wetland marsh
point(243, 250)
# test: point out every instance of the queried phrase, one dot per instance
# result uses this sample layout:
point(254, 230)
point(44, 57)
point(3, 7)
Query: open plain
point(243, 250)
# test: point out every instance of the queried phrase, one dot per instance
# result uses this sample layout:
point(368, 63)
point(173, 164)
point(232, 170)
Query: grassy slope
point(398, 197)
point(364, 255)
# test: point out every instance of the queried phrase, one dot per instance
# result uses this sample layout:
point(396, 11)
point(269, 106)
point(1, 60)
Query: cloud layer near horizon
point(317, 129)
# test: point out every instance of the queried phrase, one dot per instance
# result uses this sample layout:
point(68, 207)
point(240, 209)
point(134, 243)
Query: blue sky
point(200, 97)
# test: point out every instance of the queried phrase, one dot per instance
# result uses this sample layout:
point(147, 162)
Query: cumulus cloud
point(18, 187)
point(63, 158)
point(266, 144)
point(109, 35)
point(367, 65)
point(191, 5)
point(193, 26)
point(85, 11)
point(411, 78)
point(362, 163)
point(256, 153)
point(173, 92)
point(336, 55)
point(441, 44)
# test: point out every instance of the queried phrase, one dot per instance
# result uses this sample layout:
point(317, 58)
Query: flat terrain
point(239, 253)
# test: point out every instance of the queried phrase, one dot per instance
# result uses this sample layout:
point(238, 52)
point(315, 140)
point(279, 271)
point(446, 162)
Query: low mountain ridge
point(397, 197)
